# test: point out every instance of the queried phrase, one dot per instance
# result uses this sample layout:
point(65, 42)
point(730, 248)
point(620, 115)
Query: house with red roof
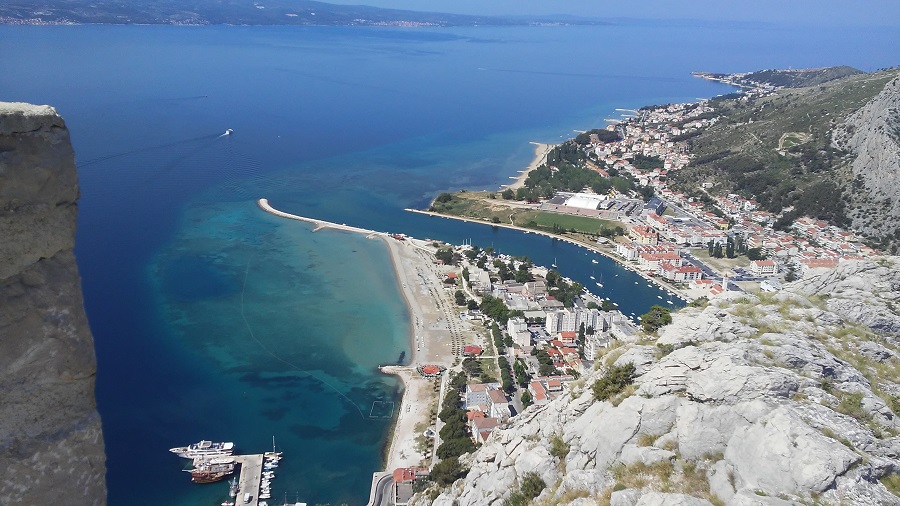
point(683, 274)
point(567, 338)
point(404, 477)
point(482, 428)
point(538, 393)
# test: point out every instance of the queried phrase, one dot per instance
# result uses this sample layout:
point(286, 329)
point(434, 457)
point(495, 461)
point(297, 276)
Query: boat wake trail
point(286, 362)
point(93, 161)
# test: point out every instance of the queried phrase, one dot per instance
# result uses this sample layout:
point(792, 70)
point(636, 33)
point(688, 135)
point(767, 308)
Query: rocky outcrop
point(872, 135)
point(864, 292)
point(778, 399)
point(51, 446)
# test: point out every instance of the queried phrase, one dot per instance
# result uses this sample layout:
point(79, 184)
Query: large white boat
point(203, 449)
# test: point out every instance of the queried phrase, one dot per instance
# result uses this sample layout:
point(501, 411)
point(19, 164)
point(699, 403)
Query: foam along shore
point(420, 281)
point(541, 151)
point(679, 291)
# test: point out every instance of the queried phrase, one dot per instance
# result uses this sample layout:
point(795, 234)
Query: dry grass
point(624, 394)
point(647, 439)
point(612, 356)
point(688, 477)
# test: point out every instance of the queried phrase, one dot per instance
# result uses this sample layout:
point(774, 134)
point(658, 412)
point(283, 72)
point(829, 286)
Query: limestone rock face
point(871, 134)
point(51, 445)
point(864, 291)
point(754, 400)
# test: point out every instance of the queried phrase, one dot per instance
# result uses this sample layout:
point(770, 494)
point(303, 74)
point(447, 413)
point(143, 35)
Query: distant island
point(260, 12)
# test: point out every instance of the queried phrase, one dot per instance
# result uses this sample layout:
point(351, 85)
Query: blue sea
point(215, 320)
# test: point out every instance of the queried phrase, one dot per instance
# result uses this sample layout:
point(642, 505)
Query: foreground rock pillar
point(51, 445)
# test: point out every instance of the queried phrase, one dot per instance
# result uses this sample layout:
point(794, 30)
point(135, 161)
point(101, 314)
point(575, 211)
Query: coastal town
point(697, 242)
point(527, 337)
point(495, 335)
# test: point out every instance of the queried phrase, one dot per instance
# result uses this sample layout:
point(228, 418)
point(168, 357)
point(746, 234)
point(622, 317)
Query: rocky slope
point(872, 135)
point(51, 446)
point(778, 399)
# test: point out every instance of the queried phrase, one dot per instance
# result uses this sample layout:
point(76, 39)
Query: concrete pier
point(320, 224)
point(251, 475)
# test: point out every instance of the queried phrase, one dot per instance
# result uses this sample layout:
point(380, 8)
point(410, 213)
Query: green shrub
point(656, 318)
point(447, 471)
point(532, 485)
point(558, 447)
point(614, 381)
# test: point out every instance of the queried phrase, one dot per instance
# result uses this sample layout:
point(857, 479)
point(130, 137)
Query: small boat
point(228, 503)
point(229, 131)
point(203, 449)
point(233, 488)
point(592, 277)
point(275, 455)
point(659, 297)
point(670, 302)
point(600, 285)
point(594, 261)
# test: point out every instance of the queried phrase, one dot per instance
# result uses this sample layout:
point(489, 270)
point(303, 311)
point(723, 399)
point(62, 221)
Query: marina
point(252, 487)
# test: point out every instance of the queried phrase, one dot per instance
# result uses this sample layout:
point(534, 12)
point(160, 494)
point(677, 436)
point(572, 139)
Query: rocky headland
point(51, 445)
point(772, 399)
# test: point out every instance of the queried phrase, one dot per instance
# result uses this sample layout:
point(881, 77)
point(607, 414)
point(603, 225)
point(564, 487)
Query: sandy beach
point(540, 157)
point(437, 334)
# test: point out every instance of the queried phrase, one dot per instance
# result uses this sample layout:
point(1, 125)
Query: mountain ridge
point(778, 149)
point(246, 12)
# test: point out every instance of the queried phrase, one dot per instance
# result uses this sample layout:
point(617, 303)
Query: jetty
point(319, 224)
point(251, 476)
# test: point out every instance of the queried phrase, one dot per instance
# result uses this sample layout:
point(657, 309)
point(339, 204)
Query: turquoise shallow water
point(215, 320)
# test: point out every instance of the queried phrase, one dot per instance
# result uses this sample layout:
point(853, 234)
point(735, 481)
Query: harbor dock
point(251, 475)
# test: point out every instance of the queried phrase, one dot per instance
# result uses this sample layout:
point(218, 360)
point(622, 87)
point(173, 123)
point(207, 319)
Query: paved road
point(383, 495)
point(437, 422)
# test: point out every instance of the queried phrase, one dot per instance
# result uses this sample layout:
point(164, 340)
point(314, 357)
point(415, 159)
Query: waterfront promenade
point(684, 294)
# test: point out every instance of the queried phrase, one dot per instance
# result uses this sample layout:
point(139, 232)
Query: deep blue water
point(215, 320)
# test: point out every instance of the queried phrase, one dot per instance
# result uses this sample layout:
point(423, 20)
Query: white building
point(585, 201)
point(561, 321)
point(763, 267)
point(595, 343)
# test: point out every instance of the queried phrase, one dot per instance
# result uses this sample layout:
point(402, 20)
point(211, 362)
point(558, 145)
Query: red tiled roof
point(430, 369)
point(402, 474)
point(472, 350)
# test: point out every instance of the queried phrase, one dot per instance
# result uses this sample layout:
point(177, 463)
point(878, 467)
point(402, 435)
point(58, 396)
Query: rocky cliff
point(872, 135)
point(789, 398)
point(51, 446)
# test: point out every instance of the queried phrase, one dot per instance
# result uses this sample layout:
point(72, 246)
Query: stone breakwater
point(51, 445)
point(788, 398)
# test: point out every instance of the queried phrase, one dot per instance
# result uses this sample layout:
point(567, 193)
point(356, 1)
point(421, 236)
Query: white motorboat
point(203, 449)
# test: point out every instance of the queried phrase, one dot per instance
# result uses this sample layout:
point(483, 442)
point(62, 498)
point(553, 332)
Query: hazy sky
point(836, 12)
